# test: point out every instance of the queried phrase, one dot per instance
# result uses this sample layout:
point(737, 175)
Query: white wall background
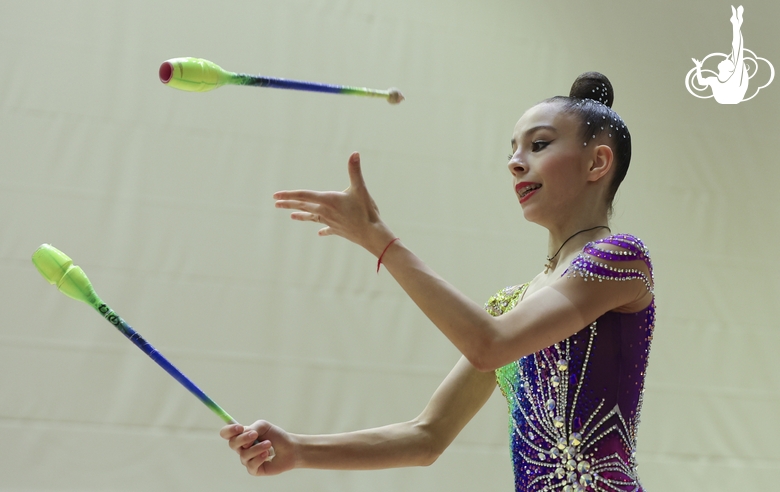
point(164, 198)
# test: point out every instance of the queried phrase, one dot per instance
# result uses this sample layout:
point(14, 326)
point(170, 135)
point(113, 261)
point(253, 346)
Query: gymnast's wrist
point(379, 239)
point(297, 445)
point(313, 451)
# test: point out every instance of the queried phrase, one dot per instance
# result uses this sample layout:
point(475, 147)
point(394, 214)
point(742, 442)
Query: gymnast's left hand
point(351, 214)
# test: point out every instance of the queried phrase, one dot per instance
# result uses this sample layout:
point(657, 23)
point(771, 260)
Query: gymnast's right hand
point(255, 457)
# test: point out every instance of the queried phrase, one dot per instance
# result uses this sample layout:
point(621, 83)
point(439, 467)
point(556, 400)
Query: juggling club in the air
point(199, 75)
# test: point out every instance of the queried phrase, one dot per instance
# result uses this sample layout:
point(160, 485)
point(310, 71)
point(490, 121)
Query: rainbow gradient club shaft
point(58, 269)
point(199, 75)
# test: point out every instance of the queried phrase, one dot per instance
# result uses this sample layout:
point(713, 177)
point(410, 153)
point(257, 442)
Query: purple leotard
point(574, 406)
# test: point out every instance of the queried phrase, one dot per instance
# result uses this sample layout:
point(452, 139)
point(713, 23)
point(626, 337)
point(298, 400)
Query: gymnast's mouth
point(523, 189)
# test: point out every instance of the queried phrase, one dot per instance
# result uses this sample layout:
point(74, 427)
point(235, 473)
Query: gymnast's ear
point(600, 163)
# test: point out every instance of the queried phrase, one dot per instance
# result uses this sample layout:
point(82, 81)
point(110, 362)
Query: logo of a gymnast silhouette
point(735, 70)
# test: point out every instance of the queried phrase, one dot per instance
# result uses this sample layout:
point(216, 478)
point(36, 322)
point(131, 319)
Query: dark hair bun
point(593, 85)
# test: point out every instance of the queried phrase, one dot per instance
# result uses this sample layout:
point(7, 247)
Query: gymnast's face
point(548, 162)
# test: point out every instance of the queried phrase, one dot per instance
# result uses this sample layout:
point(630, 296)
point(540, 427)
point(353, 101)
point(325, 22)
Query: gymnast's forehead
point(545, 115)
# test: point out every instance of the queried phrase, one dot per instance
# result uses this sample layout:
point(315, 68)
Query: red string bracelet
point(379, 261)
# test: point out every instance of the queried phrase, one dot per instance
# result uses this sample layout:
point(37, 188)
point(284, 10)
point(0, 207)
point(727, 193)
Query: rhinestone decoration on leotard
point(574, 406)
point(590, 269)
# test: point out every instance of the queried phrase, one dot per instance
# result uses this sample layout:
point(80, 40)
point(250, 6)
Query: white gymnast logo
point(730, 84)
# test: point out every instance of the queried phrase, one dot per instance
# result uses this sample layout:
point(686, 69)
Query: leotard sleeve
point(610, 258)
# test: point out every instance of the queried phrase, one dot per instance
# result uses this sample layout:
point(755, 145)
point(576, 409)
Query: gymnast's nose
point(516, 166)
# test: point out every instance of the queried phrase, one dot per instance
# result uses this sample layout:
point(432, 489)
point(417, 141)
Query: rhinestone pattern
point(574, 406)
point(592, 108)
point(632, 250)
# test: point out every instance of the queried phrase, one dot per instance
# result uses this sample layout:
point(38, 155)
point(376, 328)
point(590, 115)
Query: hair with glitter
point(590, 99)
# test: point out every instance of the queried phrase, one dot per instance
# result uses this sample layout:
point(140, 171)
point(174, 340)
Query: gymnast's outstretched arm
point(545, 317)
point(417, 442)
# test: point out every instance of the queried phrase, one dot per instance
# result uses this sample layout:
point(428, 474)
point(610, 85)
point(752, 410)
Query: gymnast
point(568, 349)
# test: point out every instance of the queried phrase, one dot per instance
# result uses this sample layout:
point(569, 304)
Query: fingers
point(308, 211)
point(255, 457)
point(355, 174)
point(242, 440)
point(307, 217)
point(248, 442)
point(231, 430)
point(320, 197)
point(304, 205)
point(302, 195)
point(307, 200)
point(240, 437)
point(256, 454)
point(344, 213)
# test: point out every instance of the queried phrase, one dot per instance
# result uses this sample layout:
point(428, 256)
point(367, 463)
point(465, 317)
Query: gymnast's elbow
point(483, 363)
point(429, 458)
point(483, 352)
point(430, 451)
point(430, 440)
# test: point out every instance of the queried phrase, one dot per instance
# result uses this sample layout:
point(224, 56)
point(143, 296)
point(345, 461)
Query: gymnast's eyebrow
point(532, 130)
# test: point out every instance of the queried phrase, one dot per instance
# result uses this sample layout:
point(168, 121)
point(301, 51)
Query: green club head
point(193, 74)
point(58, 269)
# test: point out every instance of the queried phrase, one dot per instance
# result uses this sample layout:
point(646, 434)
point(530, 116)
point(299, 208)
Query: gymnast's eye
point(539, 145)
